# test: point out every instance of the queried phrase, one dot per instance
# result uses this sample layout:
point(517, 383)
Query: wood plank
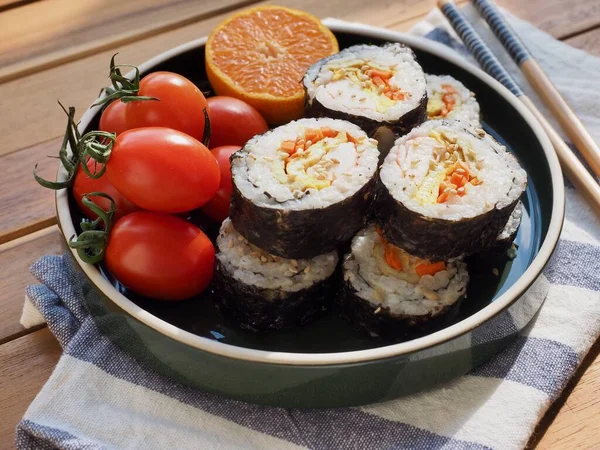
point(559, 18)
point(25, 206)
point(58, 31)
point(29, 114)
point(25, 50)
point(572, 421)
point(25, 365)
point(589, 41)
point(10, 4)
point(15, 259)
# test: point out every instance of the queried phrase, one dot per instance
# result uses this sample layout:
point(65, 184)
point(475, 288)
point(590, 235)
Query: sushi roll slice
point(447, 189)
point(304, 188)
point(448, 98)
point(392, 294)
point(260, 291)
point(380, 89)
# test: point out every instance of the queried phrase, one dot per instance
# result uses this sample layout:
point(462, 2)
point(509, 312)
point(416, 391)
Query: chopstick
point(574, 169)
point(541, 83)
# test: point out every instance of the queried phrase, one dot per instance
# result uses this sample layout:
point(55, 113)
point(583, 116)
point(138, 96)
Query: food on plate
point(260, 55)
point(261, 291)
point(303, 188)
point(447, 189)
point(160, 256)
point(380, 89)
point(160, 99)
point(448, 98)
point(217, 207)
point(390, 166)
point(84, 184)
point(392, 294)
point(233, 121)
point(161, 169)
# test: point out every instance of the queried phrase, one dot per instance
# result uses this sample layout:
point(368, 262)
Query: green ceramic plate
point(178, 338)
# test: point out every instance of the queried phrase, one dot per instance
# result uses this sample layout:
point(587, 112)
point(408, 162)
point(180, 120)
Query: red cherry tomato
point(233, 121)
point(181, 105)
point(160, 256)
point(163, 170)
point(113, 118)
point(86, 185)
point(218, 207)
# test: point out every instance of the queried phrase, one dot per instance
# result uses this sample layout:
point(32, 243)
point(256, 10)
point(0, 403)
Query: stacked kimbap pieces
point(300, 191)
point(393, 169)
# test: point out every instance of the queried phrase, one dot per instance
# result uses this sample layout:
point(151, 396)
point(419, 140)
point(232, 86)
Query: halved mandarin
point(261, 54)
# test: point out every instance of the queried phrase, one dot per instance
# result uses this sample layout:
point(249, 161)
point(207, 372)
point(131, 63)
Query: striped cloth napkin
point(98, 397)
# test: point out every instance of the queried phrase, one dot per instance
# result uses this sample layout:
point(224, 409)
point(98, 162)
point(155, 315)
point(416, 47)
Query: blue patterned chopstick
point(503, 31)
point(569, 121)
point(478, 48)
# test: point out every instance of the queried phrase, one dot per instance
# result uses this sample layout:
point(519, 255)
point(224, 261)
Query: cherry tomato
point(181, 105)
point(218, 207)
point(233, 121)
point(163, 170)
point(113, 118)
point(85, 185)
point(160, 256)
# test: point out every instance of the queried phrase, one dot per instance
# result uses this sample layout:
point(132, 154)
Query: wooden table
point(59, 49)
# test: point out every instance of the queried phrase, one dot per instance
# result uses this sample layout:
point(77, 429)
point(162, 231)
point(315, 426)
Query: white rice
point(466, 107)
point(350, 95)
point(252, 266)
point(513, 223)
point(258, 172)
point(415, 157)
point(403, 292)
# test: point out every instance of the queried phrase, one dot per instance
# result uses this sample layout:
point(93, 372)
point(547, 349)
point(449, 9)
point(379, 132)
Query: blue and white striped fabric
point(98, 397)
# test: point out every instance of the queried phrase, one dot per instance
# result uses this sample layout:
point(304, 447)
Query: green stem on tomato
point(91, 242)
point(70, 163)
point(96, 145)
point(123, 88)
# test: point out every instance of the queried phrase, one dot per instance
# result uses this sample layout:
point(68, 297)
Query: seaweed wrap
point(501, 251)
point(394, 295)
point(381, 89)
point(447, 189)
point(260, 291)
point(304, 188)
point(448, 98)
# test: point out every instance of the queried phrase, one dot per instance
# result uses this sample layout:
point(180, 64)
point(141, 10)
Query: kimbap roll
point(447, 189)
point(448, 98)
point(304, 188)
point(392, 294)
point(380, 89)
point(261, 291)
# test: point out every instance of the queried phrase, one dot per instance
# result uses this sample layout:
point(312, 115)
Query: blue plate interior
point(331, 333)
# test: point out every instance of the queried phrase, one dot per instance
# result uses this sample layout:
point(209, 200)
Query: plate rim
point(440, 337)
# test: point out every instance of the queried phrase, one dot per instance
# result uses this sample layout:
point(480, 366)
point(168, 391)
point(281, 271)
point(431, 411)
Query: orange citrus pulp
point(261, 54)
